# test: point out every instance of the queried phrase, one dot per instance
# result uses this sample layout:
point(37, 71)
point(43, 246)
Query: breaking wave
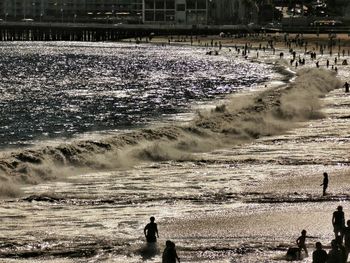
point(241, 119)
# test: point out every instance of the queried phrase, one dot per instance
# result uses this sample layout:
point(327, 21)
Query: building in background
point(192, 12)
point(228, 12)
point(129, 11)
point(180, 12)
point(200, 12)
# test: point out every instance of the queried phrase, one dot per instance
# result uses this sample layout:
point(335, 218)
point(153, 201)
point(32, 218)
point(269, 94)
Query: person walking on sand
point(347, 87)
point(325, 183)
point(151, 231)
point(301, 242)
point(338, 221)
point(169, 253)
point(319, 255)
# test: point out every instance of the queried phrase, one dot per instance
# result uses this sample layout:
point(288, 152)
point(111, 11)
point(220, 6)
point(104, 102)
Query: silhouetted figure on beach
point(346, 86)
point(346, 233)
point(334, 255)
point(151, 231)
point(341, 248)
point(169, 253)
point(319, 255)
point(301, 242)
point(338, 221)
point(325, 183)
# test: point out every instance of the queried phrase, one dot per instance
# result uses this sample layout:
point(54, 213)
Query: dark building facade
point(71, 10)
point(179, 12)
point(176, 11)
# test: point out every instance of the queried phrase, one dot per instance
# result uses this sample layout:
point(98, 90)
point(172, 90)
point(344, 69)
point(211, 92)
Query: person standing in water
point(169, 253)
point(301, 242)
point(338, 221)
point(325, 183)
point(319, 255)
point(334, 255)
point(151, 231)
point(346, 233)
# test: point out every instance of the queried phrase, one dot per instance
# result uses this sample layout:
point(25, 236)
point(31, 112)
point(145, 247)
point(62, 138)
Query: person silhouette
point(347, 87)
point(346, 233)
point(169, 253)
point(325, 183)
point(338, 221)
point(151, 231)
point(301, 242)
point(334, 255)
point(319, 255)
point(341, 248)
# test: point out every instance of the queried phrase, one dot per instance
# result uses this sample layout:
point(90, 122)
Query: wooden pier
point(43, 31)
point(37, 31)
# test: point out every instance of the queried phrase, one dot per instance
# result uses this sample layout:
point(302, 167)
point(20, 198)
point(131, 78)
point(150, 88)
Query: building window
point(170, 4)
point(159, 4)
point(160, 16)
point(149, 4)
point(149, 16)
point(170, 15)
point(180, 7)
point(201, 4)
point(191, 4)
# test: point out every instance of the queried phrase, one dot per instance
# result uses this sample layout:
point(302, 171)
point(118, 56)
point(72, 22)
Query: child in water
point(301, 242)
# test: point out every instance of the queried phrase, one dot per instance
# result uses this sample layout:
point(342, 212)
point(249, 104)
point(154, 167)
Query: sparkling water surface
point(62, 89)
point(241, 203)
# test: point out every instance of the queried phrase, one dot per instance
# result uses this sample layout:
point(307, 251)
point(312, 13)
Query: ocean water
point(56, 90)
point(232, 183)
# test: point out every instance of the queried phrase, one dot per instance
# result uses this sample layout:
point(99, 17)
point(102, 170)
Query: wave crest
point(243, 118)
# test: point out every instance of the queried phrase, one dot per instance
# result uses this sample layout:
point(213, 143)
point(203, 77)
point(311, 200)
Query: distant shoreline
point(314, 41)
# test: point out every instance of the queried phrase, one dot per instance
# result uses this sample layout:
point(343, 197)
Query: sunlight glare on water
point(242, 203)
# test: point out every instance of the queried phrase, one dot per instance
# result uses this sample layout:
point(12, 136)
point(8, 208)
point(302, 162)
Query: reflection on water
point(62, 89)
point(211, 208)
point(245, 203)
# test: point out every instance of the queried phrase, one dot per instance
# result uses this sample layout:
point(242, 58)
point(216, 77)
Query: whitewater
point(226, 152)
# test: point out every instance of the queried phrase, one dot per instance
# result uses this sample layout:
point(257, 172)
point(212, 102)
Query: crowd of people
point(339, 252)
point(340, 245)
